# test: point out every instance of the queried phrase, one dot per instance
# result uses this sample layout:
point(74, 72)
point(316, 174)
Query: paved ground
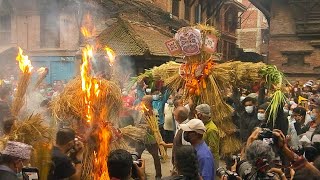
point(150, 170)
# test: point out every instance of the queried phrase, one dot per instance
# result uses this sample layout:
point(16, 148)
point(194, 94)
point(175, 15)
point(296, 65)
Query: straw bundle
point(133, 133)
point(42, 76)
point(153, 124)
point(19, 100)
point(41, 158)
point(31, 130)
point(70, 104)
point(230, 145)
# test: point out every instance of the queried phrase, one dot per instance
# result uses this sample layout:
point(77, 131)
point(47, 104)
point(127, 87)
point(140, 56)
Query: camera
point(229, 174)
point(266, 136)
point(246, 172)
point(135, 160)
point(231, 160)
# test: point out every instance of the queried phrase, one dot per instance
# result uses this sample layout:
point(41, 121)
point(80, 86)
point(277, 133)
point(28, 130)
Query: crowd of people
point(287, 148)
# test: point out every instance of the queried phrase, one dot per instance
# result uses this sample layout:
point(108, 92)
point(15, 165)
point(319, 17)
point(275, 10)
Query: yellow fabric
point(212, 139)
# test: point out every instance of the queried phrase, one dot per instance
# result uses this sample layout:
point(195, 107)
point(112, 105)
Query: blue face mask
point(313, 117)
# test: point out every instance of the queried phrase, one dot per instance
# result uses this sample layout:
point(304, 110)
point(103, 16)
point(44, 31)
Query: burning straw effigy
point(91, 105)
point(206, 81)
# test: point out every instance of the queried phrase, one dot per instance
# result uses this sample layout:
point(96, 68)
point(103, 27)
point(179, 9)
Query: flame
point(88, 29)
point(111, 55)
point(101, 169)
point(86, 81)
point(24, 62)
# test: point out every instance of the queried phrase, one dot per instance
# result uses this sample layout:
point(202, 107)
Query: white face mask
point(249, 109)
point(242, 98)
point(285, 110)
point(261, 116)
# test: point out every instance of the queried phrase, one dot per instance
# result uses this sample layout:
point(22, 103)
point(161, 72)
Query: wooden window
point(5, 29)
point(198, 14)
point(49, 30)
point(187, 12)
point(175, 7)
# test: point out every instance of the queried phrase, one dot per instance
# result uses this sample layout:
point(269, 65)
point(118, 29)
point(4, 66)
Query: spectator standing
point(248, 119)
point(193, 133)
point(169, 125)
point(211, 136)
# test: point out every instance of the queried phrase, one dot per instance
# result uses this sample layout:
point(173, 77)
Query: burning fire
point(111, 55)
point(91, 88)
point(101, 172)
point(88, 29)
point(24, 62)
point(86, 80)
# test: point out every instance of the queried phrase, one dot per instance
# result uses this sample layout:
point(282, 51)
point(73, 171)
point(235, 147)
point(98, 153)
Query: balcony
point(307, 17)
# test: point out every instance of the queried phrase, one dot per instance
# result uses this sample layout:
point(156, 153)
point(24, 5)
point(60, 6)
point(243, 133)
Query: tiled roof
point(134, 39)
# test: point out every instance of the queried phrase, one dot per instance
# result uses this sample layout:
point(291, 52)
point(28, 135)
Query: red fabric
point(127, 101)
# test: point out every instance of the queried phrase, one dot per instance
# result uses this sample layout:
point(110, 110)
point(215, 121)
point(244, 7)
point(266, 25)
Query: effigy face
point(189, 40)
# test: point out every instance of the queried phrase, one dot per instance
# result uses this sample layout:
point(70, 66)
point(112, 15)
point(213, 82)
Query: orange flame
point(87, 54)
point(88, 29)
point(24, 62)
point(111, 55)
point(101, 169)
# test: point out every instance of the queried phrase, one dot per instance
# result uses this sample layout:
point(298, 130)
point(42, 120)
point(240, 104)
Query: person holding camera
point(122, 166)
point(66, 155)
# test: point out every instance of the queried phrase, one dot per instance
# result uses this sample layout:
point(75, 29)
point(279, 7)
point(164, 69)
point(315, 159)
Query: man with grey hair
point(258, 157)
point(211, 136)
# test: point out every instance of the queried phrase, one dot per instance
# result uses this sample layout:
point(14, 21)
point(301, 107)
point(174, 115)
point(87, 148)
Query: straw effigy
point(223, 76)
point(70, 104)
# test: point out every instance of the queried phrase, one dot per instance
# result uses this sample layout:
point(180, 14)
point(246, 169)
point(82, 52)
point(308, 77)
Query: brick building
point(48, 31)
point(222, 14)
point(294, 44)
point(253, 34)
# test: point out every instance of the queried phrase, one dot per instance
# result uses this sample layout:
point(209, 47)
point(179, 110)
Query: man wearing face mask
point(261, 115)
point(248, 119)
point(211, 136)
point(12, 160)
point(63, 166)
point(193, 133)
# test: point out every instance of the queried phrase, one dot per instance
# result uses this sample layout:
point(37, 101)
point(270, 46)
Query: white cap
point(194, 125)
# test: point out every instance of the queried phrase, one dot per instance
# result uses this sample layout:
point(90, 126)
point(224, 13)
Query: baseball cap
point(194, 125)
point(204, 109)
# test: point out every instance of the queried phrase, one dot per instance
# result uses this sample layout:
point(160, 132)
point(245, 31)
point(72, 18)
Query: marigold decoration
point(204, 81)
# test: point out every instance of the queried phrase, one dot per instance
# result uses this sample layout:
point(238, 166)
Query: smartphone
point(30, 173)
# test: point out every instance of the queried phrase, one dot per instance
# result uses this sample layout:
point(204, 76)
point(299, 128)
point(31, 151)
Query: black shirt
point(62, 166)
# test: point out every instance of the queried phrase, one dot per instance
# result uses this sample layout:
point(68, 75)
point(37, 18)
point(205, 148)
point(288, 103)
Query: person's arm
point(280, 173)
point(169, 145)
